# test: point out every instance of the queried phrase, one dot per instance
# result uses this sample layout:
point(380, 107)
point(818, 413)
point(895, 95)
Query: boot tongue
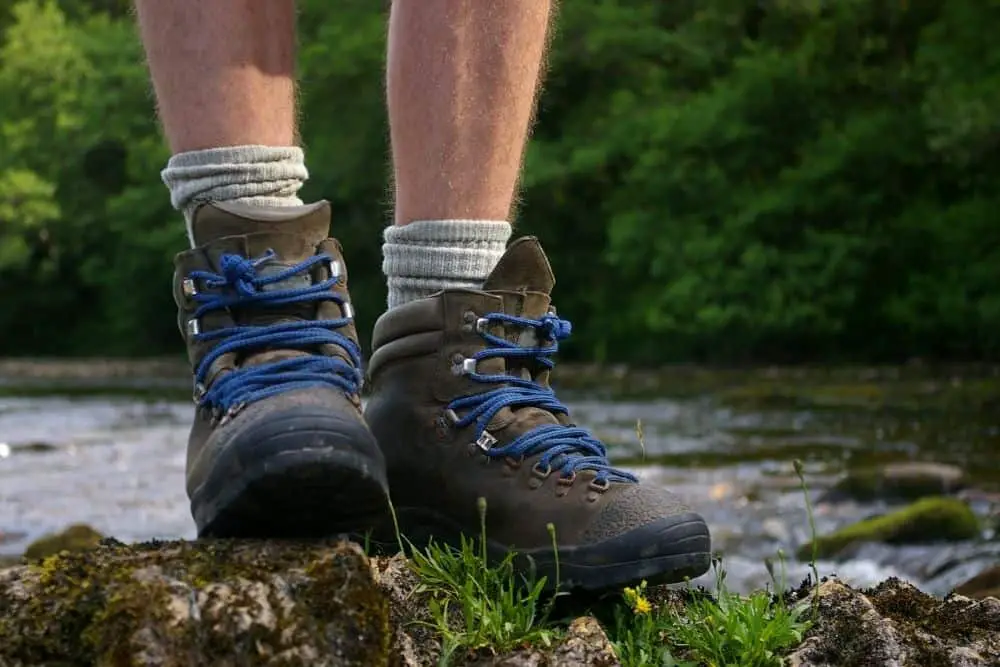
point(523, 268)
point(523, 278)
point(291, 232)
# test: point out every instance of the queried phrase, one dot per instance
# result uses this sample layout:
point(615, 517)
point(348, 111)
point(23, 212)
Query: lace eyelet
point(333, 268)
point(469, 317)
point(541, 473)
point(450, 417)
point(486, 441)
point(189, 287)
point(567, 480)
point(193, 327)
point(599, 485)
point(463, 365)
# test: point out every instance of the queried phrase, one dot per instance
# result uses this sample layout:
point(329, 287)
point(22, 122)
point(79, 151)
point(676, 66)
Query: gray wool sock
point(255, 175)
point(427, 256)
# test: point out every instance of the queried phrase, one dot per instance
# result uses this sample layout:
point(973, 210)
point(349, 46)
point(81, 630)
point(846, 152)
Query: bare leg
point(222, 70)
point(462, 77)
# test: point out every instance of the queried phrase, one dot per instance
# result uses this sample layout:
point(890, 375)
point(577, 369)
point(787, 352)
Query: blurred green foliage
point(716, 180)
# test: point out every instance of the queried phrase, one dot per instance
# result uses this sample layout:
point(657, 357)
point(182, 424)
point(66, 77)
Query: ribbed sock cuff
point(255, 175)
point(427, 256)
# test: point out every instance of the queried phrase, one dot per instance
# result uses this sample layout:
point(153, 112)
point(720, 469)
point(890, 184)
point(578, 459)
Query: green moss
point(182, 604)
point(930, 519)
point(78, 537)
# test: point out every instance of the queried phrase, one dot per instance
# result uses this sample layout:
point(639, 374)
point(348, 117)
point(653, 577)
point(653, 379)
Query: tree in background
point(715, 180)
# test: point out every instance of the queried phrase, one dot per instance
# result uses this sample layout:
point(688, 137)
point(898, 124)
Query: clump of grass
point(717, 628)
point(722, 628)
point(475, 606)
point(497, 608)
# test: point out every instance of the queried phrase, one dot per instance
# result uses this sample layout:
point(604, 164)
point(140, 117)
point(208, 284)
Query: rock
point(910, 480)
point(246, 603)
point(78, 537)
point(928, 520)
point(414, 644)
point(896, 625)
point(985, 584)
point(191, 604)
point(584, 645)
point(33, 447)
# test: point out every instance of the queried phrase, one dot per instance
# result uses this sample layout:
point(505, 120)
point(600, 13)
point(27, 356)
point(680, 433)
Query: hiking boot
point(279, 447)
point(462, 409)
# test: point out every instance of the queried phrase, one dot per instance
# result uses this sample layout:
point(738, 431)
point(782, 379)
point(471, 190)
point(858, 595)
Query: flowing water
point(113, 456)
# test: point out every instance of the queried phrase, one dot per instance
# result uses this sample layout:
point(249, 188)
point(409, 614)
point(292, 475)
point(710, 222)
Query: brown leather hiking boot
point(279, 447)
point(462, 409)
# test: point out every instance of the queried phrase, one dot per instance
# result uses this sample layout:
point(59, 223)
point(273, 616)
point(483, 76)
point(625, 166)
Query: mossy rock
point(929, 520)
point(910, 480)
point(78, 537)
point(896, 625)
point(187, 604)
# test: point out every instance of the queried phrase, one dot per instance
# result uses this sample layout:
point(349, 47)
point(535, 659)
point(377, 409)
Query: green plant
point(797, 464)
point(722, 629)
point(497, 608)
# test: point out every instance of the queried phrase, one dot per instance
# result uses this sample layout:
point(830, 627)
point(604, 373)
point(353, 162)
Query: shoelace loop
point(568, 449)
point(240, 285)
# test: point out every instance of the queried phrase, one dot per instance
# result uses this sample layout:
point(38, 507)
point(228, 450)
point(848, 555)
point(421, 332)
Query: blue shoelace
point(239, 285)
point(567, 448)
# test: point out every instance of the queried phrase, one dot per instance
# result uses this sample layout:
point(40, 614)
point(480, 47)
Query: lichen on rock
point(181, 604)
point(896, 625)
point(937, 519)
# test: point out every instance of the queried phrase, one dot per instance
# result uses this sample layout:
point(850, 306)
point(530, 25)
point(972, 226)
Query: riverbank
point(189, 604)
point(103, 443)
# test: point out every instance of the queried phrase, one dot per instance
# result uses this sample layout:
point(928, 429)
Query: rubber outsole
point(671, 550)
point(301, 475)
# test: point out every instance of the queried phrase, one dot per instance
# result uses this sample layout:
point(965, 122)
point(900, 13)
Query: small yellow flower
point(642, 606)
point(636, 600)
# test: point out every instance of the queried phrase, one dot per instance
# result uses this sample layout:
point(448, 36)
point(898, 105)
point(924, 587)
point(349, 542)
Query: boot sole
point(297, 476)
point(671, 550)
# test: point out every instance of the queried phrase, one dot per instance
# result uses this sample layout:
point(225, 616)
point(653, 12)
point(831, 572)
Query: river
point(107, 449)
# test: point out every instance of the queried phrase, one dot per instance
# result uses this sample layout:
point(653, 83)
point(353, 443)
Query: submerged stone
point(909, 480)
point(896, 625)
point(928, 520)
point(983, 585)
point(78, 537)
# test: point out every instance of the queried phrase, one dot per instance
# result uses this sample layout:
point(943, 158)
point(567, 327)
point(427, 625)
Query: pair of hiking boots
point(460, 410)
